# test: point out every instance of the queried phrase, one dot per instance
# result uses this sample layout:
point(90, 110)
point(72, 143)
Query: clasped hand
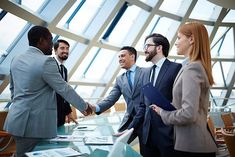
point(88, 111)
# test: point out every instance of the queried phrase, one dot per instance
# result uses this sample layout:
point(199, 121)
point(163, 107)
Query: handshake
point(90, 109)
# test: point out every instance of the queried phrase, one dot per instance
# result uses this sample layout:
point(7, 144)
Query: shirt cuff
point(97, 108)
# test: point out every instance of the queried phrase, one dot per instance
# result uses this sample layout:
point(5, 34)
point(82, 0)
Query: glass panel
point(205, 10)
point(98, 67)
point(164, 26)
point(178, 7)
point(147, 31)
point(85, 91)
point(79, 23)
point(226, 66)
point(142, 63)
point(150, 2)
point(173, 51)
point(230, 17)
point(33, 6)
point(209, 29)
point(9, 30)
point(218, 35)
point(124, 25)
point(217, 75)
point(216, 92)
point(227, 49)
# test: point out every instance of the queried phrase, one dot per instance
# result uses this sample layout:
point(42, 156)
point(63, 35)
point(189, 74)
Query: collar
point(185, 61)
point(32, 47)
point(59, 63)
point(133, 68)
point(160, 62)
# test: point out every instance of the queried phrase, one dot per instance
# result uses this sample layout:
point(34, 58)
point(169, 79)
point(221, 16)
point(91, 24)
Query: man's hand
point(93, 107)
point(88, 111)
point(119, 133)
point(70, 118)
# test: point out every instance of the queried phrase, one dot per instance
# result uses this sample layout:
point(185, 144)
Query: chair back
point(211, 126)
point(227, 119)
point(120, 106)
point(229, 138)
point(3, 115)
point(7, 143)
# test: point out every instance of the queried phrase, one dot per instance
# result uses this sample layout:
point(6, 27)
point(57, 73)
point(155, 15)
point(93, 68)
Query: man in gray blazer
point(130, 89)
point(34, 82)
point(158, 138)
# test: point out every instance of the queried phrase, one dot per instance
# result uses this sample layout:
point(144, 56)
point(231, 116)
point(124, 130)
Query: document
point(67, 138)
point(155, 97)
point(58, 152)
point(98, 140)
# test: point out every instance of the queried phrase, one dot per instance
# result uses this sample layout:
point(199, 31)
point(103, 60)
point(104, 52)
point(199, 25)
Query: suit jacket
point(63, 107)
point(191, 98)
point(34, 81)
point(152, 121)
point(132, 97)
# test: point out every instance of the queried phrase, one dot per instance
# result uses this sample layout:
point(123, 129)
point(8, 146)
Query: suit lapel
point(136, 80)
point(178, 75)
point(162, 72)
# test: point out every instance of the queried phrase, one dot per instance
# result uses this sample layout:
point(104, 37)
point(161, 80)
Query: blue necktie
point(128, 74)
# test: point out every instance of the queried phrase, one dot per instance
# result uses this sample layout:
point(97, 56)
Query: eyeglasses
point(146, 46)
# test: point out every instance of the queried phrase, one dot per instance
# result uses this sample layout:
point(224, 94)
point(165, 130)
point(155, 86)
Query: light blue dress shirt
point(132, 76)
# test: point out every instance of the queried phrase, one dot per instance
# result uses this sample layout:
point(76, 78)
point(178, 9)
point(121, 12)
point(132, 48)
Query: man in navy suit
point(158, 138)
point(64, 111)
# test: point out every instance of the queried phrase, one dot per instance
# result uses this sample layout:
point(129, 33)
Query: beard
point(65, 57)
point(150, 55)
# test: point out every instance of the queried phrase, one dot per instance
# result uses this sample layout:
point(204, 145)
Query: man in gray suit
point(128, 84)
point(34, 82)
point(158, 138)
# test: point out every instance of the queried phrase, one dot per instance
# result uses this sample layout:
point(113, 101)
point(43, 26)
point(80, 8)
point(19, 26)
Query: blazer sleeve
point(11, 86)
point(112, 98)
point(191, 79)
point(52, 76)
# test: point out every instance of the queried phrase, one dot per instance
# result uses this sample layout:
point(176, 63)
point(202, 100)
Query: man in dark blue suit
point(157, 137)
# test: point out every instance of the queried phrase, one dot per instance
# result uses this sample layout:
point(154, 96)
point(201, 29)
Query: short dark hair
point(131, 50)
point(35, 33)
point(159, 39)
point(56, 44)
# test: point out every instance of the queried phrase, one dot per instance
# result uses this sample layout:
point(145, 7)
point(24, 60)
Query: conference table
point(104, 125)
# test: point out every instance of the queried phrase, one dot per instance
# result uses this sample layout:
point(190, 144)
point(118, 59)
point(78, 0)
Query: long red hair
point(201, 46)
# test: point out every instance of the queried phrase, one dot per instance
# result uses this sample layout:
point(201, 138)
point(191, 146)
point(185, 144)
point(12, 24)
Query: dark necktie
point(62, 70)
point(128, 74)
point(153, 74)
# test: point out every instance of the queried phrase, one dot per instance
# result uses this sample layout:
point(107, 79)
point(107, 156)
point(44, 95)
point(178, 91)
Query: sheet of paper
point(58, 152)
point(67, 138)
point(99, 140)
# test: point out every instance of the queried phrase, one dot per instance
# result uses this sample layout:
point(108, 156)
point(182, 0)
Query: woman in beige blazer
point(191, 94)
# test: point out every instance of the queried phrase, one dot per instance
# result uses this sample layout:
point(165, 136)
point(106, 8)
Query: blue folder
point(155, 97)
